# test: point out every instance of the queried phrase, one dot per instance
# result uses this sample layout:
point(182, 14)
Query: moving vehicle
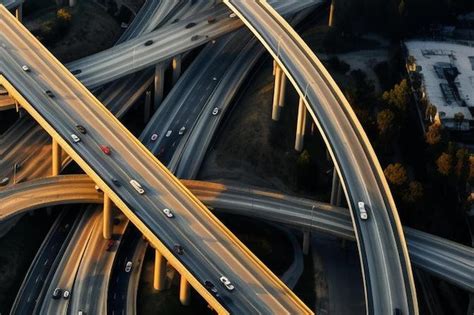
point(215, 111)
point(128, 266)
point(137, 186)
point(229, 286)
point(57, 293)
point(194, 37)
point(75, 72)
point(211, 19)
point(232, 15)
point(168, 213)
point(154, 137)
point(168, 133)
point(182, 130)
point(115, 182)
point(4, 181)
point(105, 149)
point(75, 138)
point(178, 249)
point(189, 25)
point(66, 294)
point(149, 42)
point(25, 68)
point(363, 211)
point(49, 93)
point(211, 287)
point(81, 129)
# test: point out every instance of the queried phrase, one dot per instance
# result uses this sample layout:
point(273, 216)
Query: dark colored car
point(189, 25)
point(178, 249)
point(81, 129)
point(116, 182)
point(49, 93)
point(211, 287)
point(77, 71)
point(211, 20)
point(57, 293)
point(195, 37)
point(149, 42)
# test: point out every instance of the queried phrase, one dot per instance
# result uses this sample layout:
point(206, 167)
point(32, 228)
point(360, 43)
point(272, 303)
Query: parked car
point(49, 93)
point(182, 130)
point(81, 129)
point(105, 149)
point(215, 111)
point(128, 266)
point(75, 138)
point(229, 286)
point(149, 42)
point(66, 294)
point(57, 293)
point(25, 68)
point(363, 211)
point(137, 186)
point(168, 213)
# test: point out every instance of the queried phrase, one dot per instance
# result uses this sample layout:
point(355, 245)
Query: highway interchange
point(177, 121)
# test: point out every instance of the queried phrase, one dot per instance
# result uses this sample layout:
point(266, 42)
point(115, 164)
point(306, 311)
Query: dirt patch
point(92, 30)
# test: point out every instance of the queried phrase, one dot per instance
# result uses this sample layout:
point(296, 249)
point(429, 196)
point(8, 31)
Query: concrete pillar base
point(56, 159)
point(184, 291)
point(176, 65)
point(19, 13)
point(159, 86)
point(281, 99)
point(276, 94)
point(147, 109)
point(300, 126)
point(108, 225)
point(159, 276)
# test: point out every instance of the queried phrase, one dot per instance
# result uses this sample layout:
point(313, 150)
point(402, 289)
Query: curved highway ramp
point(58, 102)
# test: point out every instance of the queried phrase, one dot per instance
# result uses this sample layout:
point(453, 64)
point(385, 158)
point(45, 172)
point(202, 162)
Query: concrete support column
point(276, 94)
point(339, 194)
point(306, 241)
point(72, 3)
point(331, 14)
point(107, 230)
point(159, 85)
point(281, 99)
point(147, 109)
point(300, 126)
point(56, 150)
point(19, 13)
point(159, 276)
point(334, 186)
point(184, 291)
point(176, 65)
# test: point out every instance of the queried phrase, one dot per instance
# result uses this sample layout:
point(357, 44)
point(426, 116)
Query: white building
point(447, 72)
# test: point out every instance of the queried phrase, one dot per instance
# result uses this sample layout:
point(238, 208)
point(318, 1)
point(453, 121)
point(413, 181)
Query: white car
point(168, 133)
point(232, 15)
point(128, 266)
point(168, 213)
point(75, 138)
point(4, 181)
point(182, 130)
point(25, 68)
point(137, 186)
point(363, 211)
point(154, 137)
point(215, 111)
point(66, 294)
point(229, 286)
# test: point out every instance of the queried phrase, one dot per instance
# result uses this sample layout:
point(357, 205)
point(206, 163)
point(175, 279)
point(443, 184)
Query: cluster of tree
point(54, 29)
point(409, 191)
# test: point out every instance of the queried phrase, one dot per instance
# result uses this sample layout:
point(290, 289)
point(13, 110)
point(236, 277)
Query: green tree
point(430, 112)
point(395, 174)
point(399, 96)
point(414, 192)
point(459, 118)
point(434, 133)
point(462, 162)
point(64, 15)
point(385, 120)
point(444, 164)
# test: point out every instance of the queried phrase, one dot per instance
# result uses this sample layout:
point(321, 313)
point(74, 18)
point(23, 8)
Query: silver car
point(229, 286)
point(137, 186)
point(362, 211)
point(75, 138)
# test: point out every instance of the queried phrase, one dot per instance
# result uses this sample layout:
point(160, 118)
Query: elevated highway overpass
point(211, 248)
point(442, 258)
point(386, 269)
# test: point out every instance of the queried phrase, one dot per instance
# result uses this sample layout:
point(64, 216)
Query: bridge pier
point(276, 94)
point(147, 109)
point(159, 276)
point(107, 227)
point(300, 126)
point(336, 189)
point(56, 158)
point(72, 3)
point(159, 85)
point(281, 99)
point(176, 66)
point(331, 14)
point(184, 291)
point(306, 241)
point(19, 12)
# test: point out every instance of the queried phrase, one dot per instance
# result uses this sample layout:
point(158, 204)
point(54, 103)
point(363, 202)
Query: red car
point(105, 149)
